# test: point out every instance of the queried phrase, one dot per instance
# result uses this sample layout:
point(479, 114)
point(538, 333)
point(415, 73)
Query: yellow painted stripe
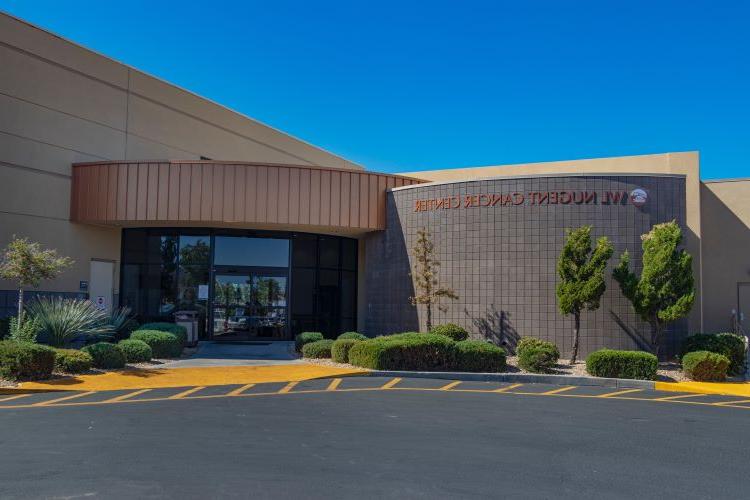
point(557, 391)
point(333, 385)
point(123, 397)
point(182, 394)
point(17, 396)
point(288, 387)
point(681, 396)
point(53, 401)
point(391, 383)
point(737, 401)
point(240, 390)
point(507, 388)
point(450, 386)
point(618, 393)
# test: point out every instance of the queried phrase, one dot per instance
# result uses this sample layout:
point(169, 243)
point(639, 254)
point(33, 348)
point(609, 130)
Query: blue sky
point(401, 86)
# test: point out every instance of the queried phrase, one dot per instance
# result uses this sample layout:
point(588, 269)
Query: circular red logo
point(638, 197)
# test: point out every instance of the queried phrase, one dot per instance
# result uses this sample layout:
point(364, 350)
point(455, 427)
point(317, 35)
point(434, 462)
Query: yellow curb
point(152, 378)
point(727, 388)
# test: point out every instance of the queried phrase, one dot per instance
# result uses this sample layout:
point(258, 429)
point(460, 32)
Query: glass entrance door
point(250, 304)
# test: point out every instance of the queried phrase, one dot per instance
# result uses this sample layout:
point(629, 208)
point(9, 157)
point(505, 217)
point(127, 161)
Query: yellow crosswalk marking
point(333, 385)
point(187, 393)
point(240, 390)
point(618, 393)
point(558, 391)
point(507, 388)
point(66, 398)
point(123, 397)
point(391, 383)
point(288, 387)
point(450, 386)
point(17, 396)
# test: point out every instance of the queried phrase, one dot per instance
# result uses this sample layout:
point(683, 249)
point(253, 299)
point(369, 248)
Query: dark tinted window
point(305, 253)
point(329, 252)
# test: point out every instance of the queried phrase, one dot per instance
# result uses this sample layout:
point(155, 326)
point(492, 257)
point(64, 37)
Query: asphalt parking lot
point(370, 437)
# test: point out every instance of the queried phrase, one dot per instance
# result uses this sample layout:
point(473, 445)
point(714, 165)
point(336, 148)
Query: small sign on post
point(100, 302)
point(202, 292)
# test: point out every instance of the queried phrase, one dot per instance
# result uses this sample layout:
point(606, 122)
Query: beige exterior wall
point(61, 103)
point(726, 248)
point(687, 164)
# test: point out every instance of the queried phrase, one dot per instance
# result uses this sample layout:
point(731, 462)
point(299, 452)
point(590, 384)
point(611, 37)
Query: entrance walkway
point(238, 354)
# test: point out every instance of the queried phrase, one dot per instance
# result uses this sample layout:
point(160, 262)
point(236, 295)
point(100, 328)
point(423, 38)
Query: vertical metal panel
point(313, 200)
point(343, 207)
point(217, 192)
point(183, 201)
point(324, 199)
point(364, 200)
point(240, 184)
point(152, 179)
point(261, 191)
point(251, 189)
point(283, 194)
point(207, 178)
point(228, 193)
point(273, 194)
point(196, 190)
point(353, 205)
point(335, 202)
point(162, 204)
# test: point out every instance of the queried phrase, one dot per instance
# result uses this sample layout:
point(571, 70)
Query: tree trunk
point(576, 334)
point(20, 306)
point(656, 337)
point(429, 317)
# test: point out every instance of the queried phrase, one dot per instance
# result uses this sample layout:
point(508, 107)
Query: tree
point(426, 285)
point(27, 264)
point(664, 292)
point(581, 272)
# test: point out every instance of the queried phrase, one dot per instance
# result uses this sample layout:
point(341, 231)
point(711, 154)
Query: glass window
point(348, 293)
point(261, 252)
point(305, 253)
point(195, 250)
point(329, 252)
point(349, 254)
point(303, 291)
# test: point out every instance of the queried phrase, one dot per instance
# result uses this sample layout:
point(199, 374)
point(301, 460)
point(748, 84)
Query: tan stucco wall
point(61, 103)
point(687, 164)
point(726, 248)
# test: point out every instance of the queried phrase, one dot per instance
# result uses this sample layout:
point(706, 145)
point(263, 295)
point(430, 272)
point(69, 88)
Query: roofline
point(731, 179)
point(206, 99)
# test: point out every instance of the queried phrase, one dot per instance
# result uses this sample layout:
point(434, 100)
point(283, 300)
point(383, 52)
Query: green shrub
point(162, 344)
point(136, 351)
point(622, 364)
point(729, 344)
point(318, 349)
point(26, 333)
point(451, 330)
point(352, 336)
point(340, 349)
point(479, 356)
point(405, 351)
point(537, 355)
point(105, 355)
point(178, 331)
point(72, 361)
point(705, 366)
point(25, 361)
point(4, 327)
point(306, 338)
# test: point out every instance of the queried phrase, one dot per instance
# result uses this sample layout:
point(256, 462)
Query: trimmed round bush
point(318, 349)
point(306, 338)
point(622, 364)
point(25, 360)
point(451, 330)
point(405, 351)
point(72, 361)
point(340, 349)
point(106, 355)
point(705, 366)
point(177, 330)
point(730, 345)
point(162, 344)
point(537, 355)
point(352, 336)
point(479, 356)
point(136, 351)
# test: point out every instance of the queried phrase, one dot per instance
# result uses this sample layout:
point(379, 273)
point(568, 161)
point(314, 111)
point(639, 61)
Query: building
point(169, 202)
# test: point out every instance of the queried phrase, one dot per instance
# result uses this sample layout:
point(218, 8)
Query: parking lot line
point(240, 390)
point(333, 385)
point(123, 397)
point(65, 398)
point(391, 383)
point(17, 396)
point(736, 401)
point(288, 387)
point(681, 396)
point(186, 393)
point(507, 388)
point(618, 393)
point(557, 391)
point(448, 387)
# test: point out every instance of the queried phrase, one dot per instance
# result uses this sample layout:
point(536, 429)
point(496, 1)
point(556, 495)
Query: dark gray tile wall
point(501, 260)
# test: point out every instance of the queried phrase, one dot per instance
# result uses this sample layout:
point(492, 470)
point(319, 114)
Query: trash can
point(188, 319)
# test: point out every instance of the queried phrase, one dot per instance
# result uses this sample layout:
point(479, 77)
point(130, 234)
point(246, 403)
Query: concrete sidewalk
point(238, 354)
point(149, 378)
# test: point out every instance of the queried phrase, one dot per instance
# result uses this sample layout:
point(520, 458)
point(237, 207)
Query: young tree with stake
point(665, 290)
point(25, 263)
point(427, 288)
point(581, 272)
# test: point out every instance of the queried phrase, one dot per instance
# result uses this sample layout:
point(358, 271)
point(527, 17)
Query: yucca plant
point(62, 319)
point(122, 320)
